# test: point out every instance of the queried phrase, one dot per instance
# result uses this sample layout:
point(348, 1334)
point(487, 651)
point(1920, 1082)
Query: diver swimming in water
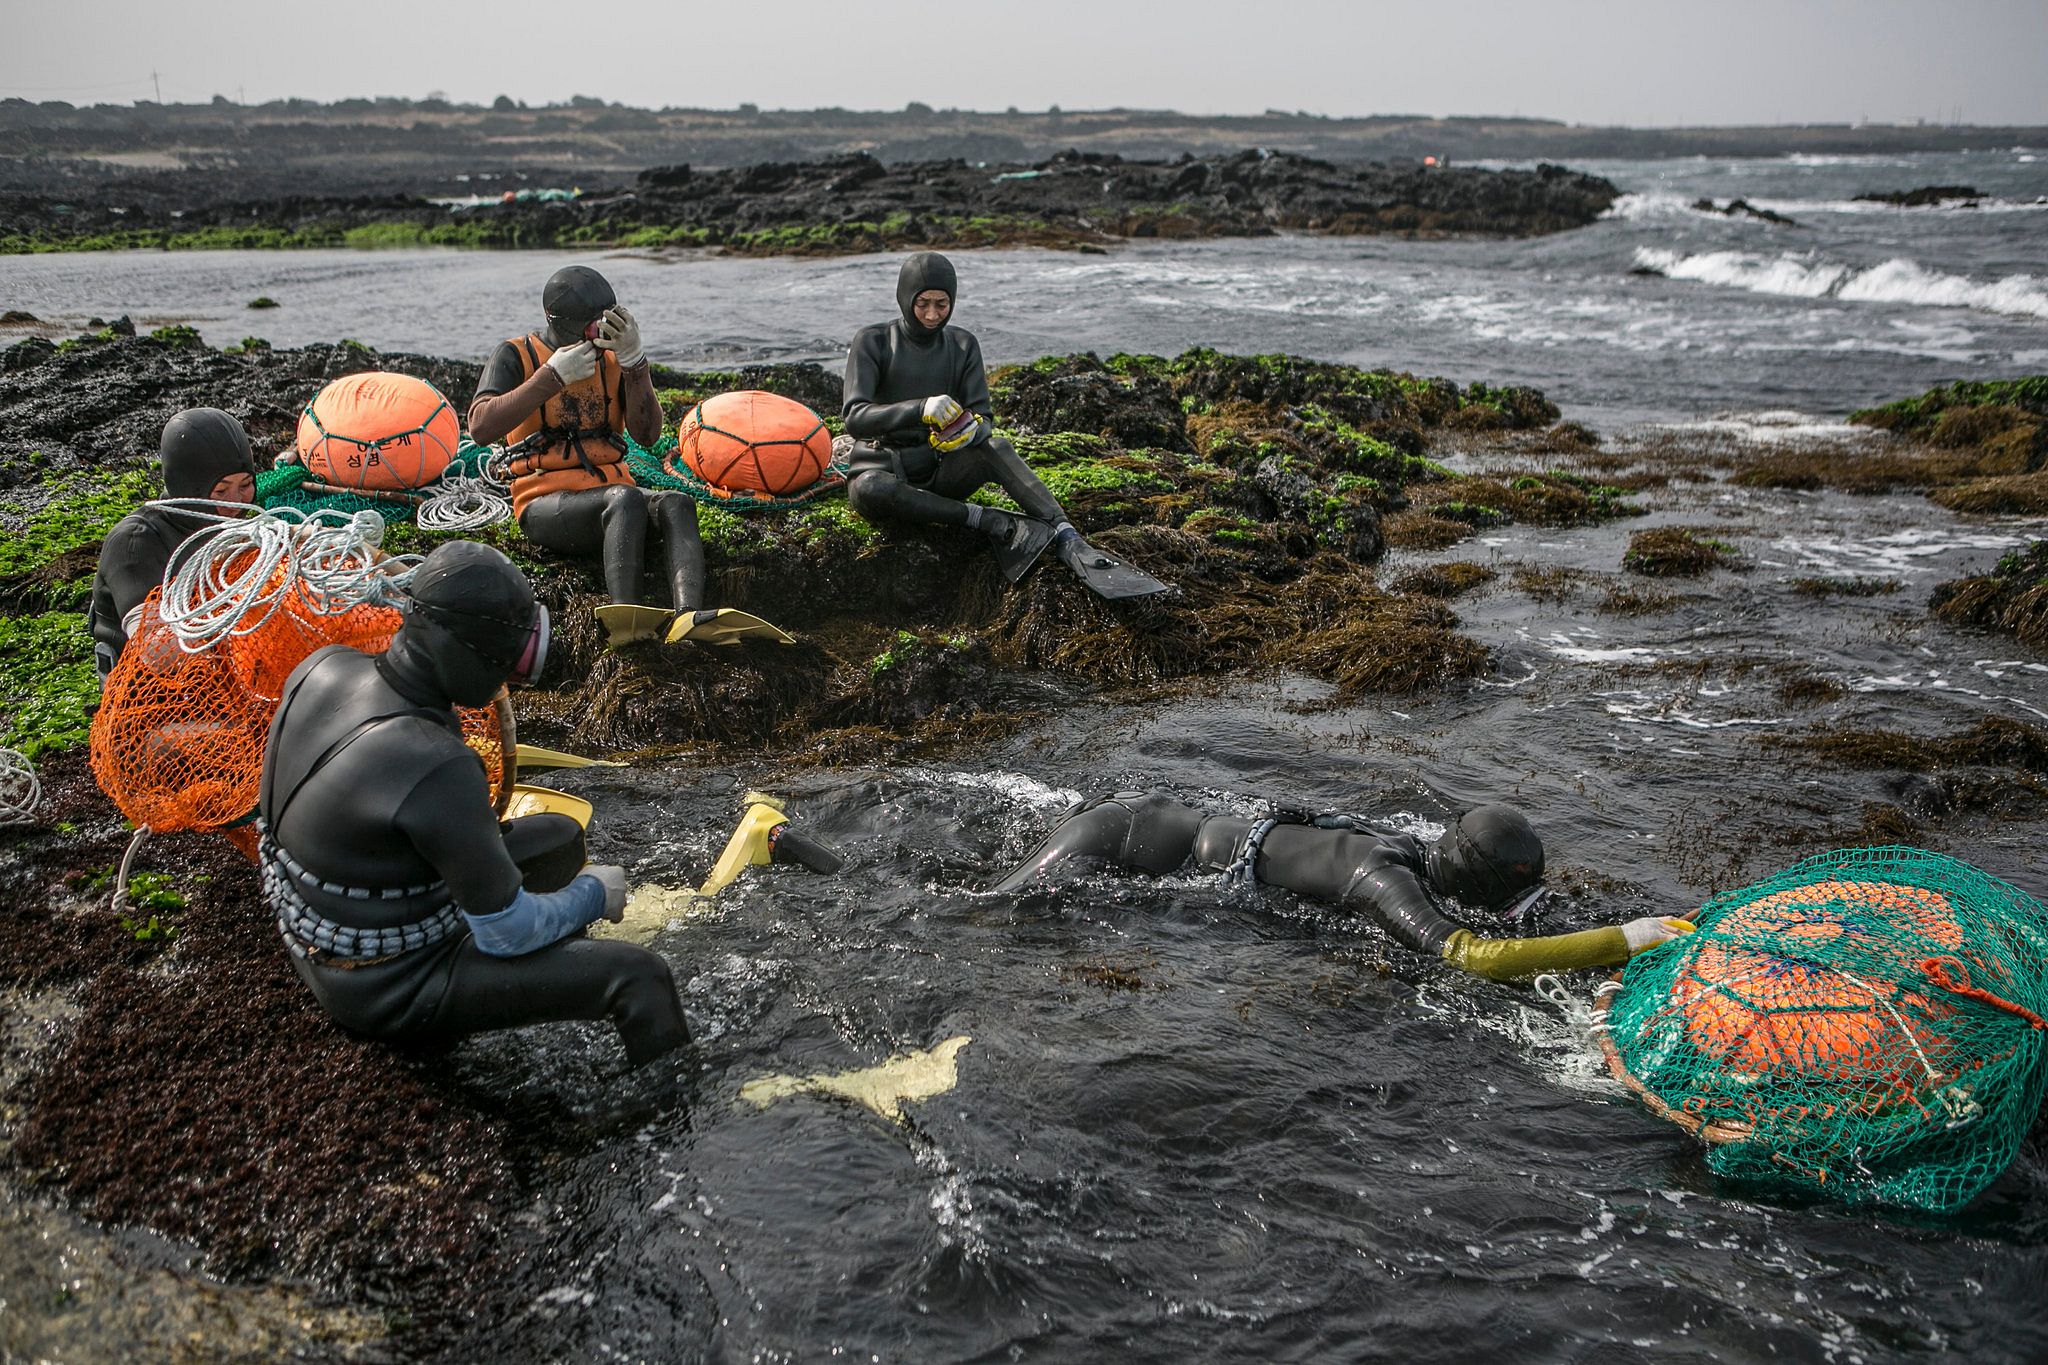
point(410, 912)
point(917, 405)
point(1490, 863)
point(563, 399)
point(205, 454)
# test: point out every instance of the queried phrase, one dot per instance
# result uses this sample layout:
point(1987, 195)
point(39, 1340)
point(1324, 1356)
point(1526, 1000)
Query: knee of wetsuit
point(868, 493)
point(624, 499)
point(548, 848)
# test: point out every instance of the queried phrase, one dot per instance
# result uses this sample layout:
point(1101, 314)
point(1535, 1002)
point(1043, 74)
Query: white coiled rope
point(231, 580)
point(20, 792)
point(467, 502)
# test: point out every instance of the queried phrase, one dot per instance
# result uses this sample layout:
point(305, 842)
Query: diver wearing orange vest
point(562, 400)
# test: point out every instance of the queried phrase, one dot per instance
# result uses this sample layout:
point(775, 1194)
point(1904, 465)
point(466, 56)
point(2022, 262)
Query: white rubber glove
point(940, 410)
point(574, 364)
point(965, 431)
point(1652, 930)
point(618, 333)
point(613, 879)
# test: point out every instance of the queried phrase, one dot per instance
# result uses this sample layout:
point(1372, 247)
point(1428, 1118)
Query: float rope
point(230, 581)
point(20, 792)
point(467, 502)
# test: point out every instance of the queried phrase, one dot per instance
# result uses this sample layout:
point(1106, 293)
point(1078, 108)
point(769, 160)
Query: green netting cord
point(1873, 1035)
point(284, 486)
point(650, 470)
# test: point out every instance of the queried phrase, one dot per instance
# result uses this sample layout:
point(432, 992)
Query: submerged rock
point(1920, 198)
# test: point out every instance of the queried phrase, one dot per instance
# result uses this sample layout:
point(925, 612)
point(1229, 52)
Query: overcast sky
point(1640, 62)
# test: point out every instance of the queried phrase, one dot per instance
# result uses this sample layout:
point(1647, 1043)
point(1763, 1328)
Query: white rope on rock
point(20, 792)
point(465, 502)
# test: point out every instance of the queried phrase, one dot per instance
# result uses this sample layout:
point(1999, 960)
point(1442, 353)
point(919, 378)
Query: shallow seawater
point(1194, 1123)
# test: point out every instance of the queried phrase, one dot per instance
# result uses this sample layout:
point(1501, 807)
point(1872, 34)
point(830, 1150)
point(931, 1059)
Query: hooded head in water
point(473, 625)
point(575, 296)
point(200, 447)
point(1492, 858)
point(925, 270)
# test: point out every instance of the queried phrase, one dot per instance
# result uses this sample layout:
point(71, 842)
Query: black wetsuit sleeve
point(868, 419)
point(1394, 898)
point(132, 561)
point(971, 389)
point(449, 818)
point(503, 372)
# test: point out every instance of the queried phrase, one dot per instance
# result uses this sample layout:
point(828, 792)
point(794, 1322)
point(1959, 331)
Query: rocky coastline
point(1265, 489)
point(839, 205)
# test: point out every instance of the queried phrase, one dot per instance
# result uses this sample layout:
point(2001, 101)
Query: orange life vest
point(575, 440)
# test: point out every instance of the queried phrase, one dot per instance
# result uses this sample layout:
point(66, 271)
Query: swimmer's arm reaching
point(504, 400)
point(1394, 897)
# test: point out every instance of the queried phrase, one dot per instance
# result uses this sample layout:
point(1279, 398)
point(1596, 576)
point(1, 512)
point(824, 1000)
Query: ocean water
point(1857, 303)
point(1194, 1124)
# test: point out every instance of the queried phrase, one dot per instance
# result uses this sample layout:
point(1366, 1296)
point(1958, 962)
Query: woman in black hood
point(204, 454)
point(917, 405)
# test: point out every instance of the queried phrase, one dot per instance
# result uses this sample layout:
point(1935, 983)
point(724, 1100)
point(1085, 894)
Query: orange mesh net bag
point(178, 741)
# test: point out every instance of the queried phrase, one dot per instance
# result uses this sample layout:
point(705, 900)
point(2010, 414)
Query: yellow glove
point(964, 431)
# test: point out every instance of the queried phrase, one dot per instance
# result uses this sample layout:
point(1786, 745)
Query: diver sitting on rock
point(917, 405)
point(1490, 863)
point(408, 909)
point(205, 455)
point(563, 399)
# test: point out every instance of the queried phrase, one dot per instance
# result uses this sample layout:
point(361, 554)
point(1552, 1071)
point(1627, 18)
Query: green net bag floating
point(1867, 1026)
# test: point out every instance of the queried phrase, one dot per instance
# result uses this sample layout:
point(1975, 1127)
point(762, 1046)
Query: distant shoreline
point(841, 205)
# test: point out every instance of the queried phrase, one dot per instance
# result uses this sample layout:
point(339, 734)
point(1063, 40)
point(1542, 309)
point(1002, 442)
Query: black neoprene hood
point(1491, 857)
point(575, 296)
point(199, 448)
point(925, 270)
point(471, 613)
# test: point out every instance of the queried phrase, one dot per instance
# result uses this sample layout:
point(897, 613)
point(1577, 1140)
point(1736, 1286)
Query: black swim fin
point(1107, 576)
point(1026, 542)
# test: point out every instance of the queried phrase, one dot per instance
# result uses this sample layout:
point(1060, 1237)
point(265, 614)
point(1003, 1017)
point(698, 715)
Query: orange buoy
point(1764, 999)
point(378, 430)
point(753, 442)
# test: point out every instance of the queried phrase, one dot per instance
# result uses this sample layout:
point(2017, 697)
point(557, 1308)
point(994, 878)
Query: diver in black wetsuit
point(563, 399)
point(205, 454)
point(918, 408)
point(1490, 862)
point(408, 909)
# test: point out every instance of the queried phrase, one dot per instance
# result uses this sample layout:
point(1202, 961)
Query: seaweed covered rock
point(2012, 598)
point(1080, 393)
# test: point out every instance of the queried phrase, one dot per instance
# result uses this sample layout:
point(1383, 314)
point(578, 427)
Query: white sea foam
point(1894, 281)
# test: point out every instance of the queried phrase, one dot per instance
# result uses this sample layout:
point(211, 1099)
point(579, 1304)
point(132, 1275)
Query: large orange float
point(378, 431)
point(753, 442)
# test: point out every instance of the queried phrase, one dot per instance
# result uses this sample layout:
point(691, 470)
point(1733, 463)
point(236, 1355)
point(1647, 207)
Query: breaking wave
point(1895, 281)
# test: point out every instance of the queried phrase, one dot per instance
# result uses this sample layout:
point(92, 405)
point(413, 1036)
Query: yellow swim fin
point(531, 800)
point(750, 843)
point(724, 626)
point(631, 625)
point(533, 756)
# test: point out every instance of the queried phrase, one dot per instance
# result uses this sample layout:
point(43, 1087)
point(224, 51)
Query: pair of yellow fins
point(634, 625)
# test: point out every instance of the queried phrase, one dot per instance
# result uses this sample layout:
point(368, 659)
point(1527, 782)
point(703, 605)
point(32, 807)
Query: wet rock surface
point(849, 203)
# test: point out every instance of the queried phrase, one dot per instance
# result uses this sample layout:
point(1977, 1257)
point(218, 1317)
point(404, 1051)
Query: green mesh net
point(287, 484)
point(293, 485)
point(1866, 1026)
